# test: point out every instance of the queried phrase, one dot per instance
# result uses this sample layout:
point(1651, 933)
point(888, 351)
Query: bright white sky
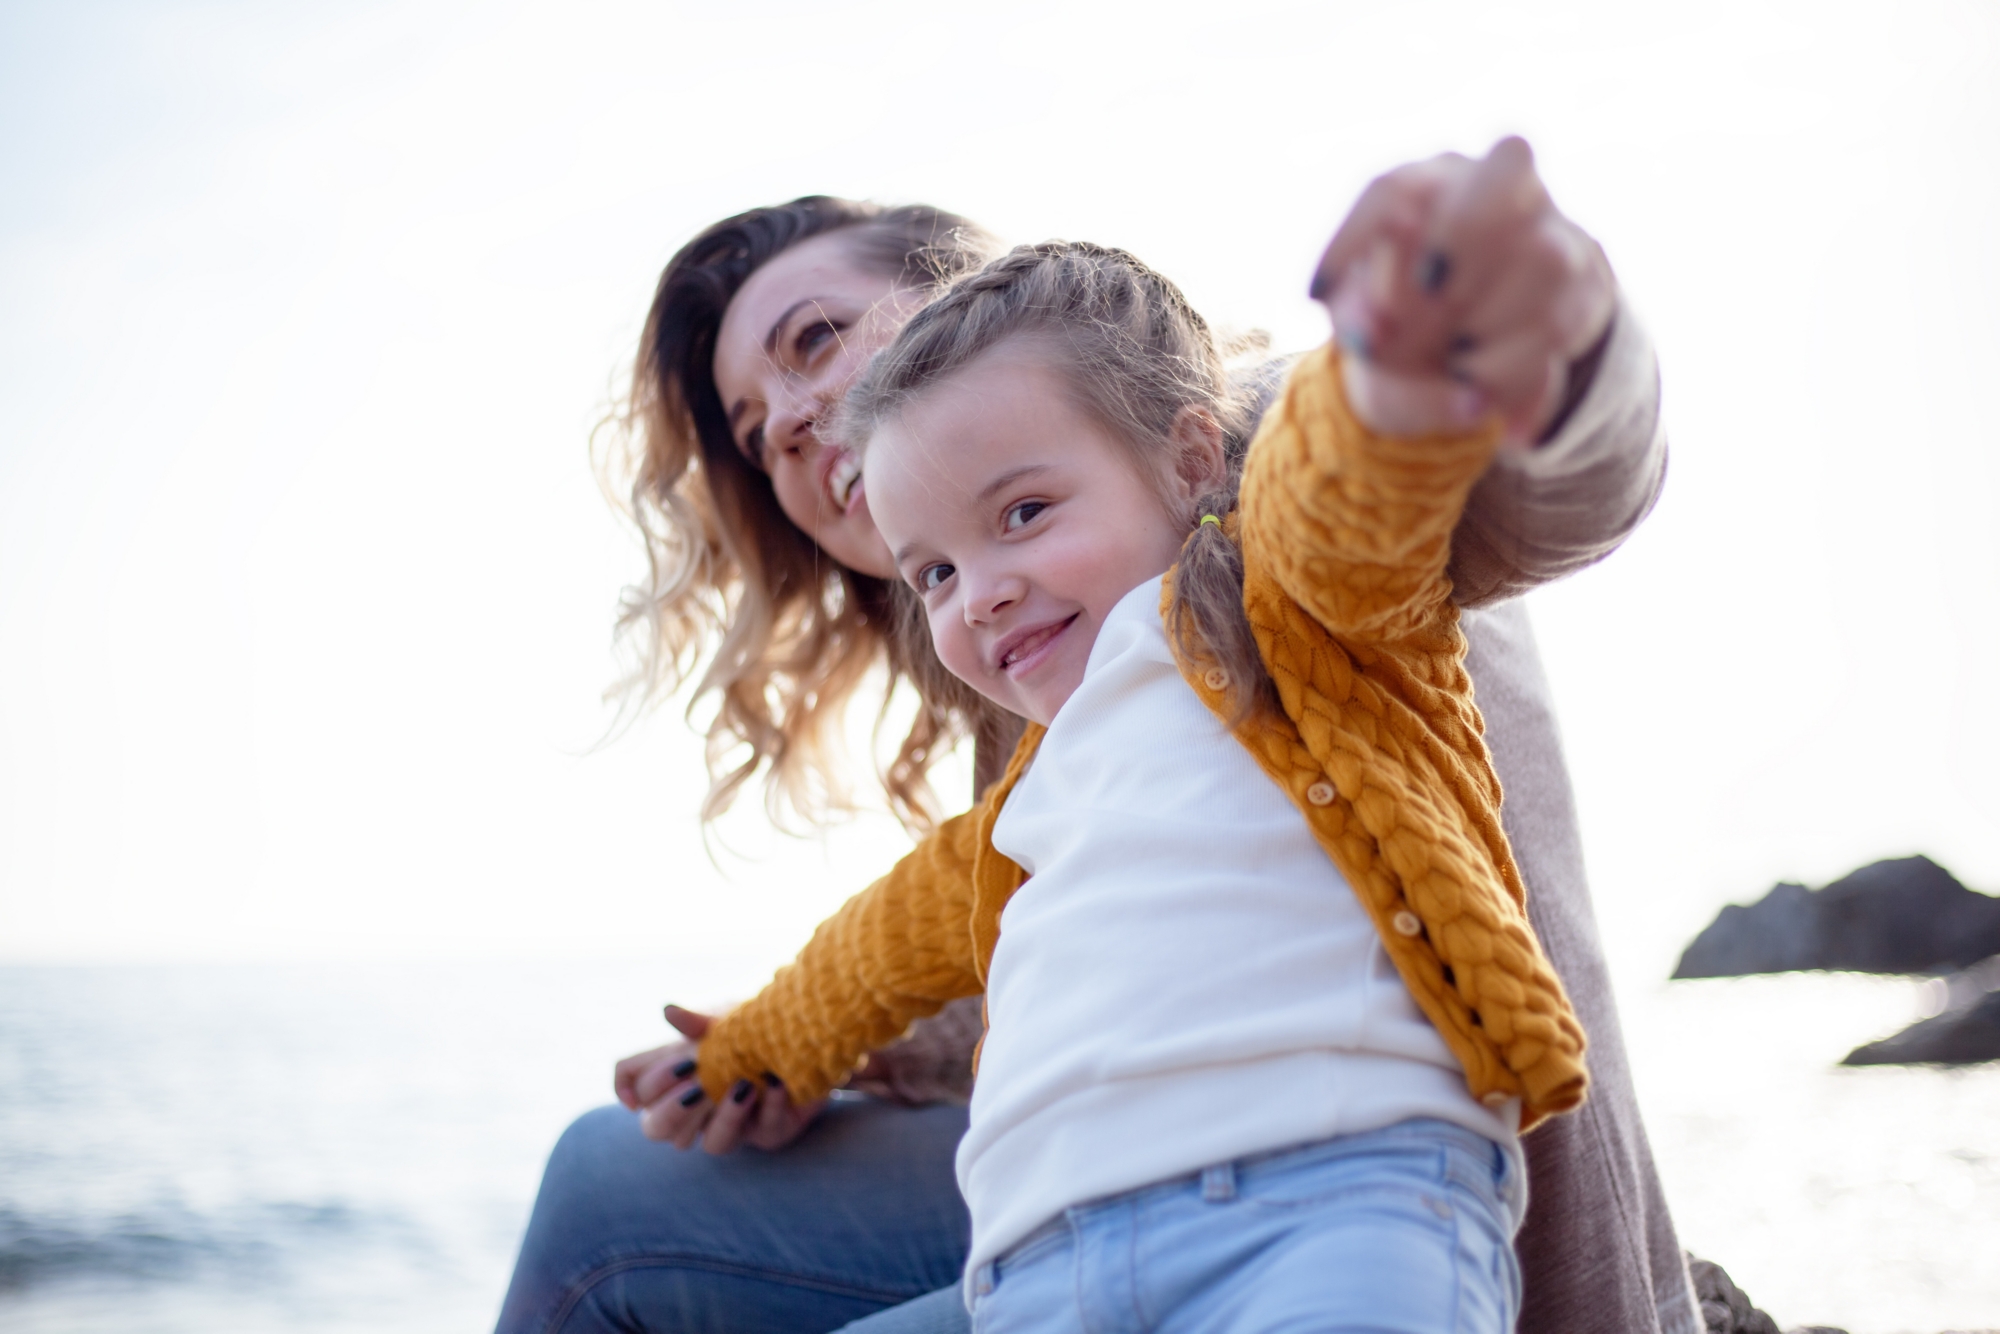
point(306, 313)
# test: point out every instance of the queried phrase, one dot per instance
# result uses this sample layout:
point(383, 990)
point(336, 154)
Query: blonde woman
point(767, 587)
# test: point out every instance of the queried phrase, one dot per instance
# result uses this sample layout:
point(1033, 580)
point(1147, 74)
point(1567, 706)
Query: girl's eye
point(1019, 516)
point(932, 577)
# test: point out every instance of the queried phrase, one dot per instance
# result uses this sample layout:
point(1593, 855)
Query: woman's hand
point(930, 1063)
point(1460, 291)
point(660, 1085)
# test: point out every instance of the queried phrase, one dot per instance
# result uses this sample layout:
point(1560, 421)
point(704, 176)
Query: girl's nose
point(986, 595)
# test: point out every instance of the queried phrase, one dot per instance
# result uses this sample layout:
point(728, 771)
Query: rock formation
point(1908, 915)
point(1725, 1309)
point(1960, 1036)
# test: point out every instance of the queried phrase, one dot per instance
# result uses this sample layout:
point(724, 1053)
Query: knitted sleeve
point(1355, 527)
point(898, 951)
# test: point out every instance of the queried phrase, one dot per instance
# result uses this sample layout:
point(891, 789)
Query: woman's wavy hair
point(1137, 356)
point(788, 631)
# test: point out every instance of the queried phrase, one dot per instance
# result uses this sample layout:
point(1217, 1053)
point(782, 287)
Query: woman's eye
point(932, 577)
point(1019, 516)
point(813, 336)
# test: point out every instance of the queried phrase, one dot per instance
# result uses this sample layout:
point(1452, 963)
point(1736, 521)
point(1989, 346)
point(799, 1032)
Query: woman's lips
point(843, 480)
point(1023, 652)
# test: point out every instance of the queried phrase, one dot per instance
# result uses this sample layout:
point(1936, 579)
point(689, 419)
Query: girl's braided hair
point(1137, 356)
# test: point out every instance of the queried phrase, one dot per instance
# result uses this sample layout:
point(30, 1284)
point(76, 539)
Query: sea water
point(355, 1148)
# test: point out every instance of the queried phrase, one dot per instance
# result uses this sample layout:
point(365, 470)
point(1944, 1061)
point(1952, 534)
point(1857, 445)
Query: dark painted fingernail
point(692, 1096)
point(1322, 286)
point(1433, 270)
point(741, 1093)
point(773, 1080)
point(1461, 344)
point(685, 1068)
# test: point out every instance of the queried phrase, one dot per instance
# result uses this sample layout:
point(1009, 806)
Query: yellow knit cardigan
point(1345, 535)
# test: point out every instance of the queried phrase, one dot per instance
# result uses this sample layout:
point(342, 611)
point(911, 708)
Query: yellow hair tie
point(1210, 518)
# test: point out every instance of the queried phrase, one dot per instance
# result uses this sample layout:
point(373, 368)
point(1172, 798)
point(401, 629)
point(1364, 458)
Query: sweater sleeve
point(1355, 527)
point(1543, 514)
point(898, 951)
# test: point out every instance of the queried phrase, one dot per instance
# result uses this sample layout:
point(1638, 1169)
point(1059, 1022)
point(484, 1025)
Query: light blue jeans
point(1404, 1230)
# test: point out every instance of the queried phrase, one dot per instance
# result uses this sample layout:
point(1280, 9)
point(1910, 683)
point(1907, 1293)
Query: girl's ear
point(1201, 458)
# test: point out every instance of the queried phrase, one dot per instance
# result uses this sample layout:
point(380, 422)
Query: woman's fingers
point(1409, 406)
point(1395, 206)
point(777, 1122)
point(680, 1117)
point(671, 1065)
point(725, 1128)
point(1479, 221)
point(1521, 377)
point(1457, 286)
point(692, 1024)
point(626, 1074)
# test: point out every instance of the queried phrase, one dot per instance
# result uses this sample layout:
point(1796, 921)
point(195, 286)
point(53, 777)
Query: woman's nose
point(795, 416)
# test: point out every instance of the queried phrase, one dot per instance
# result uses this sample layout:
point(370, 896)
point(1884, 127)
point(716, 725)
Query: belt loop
point(1218, 1183)
point(982, 1280)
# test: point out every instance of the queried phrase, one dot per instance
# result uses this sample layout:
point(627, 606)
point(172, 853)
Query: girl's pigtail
point(1205, 615)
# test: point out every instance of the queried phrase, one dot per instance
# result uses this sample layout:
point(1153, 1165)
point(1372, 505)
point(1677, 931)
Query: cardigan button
point(1215, 679)
point(1406, 923)
point(1320, 793)
point(1496, 1099)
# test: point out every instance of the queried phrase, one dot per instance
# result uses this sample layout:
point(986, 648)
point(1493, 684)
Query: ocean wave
point(249, 1244)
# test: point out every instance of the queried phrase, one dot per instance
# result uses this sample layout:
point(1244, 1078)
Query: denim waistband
point(1471, 1160)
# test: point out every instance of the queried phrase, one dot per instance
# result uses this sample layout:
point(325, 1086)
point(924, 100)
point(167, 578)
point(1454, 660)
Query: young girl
point(1268, 1018)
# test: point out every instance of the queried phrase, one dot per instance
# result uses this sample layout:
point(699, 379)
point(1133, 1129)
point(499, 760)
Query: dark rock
point(1902, 916)
point(1725, 1309)
point(1957, 1037)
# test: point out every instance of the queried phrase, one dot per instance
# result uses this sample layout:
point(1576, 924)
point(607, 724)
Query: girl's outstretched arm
point(1469, 313)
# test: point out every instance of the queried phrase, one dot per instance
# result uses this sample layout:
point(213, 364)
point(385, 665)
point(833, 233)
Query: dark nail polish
point(1322, 286)
point(685, 1068)
point(1433, 270)
point(741, 1093)
point(1460, 345)
point(773, 1080)
point(692, 1096)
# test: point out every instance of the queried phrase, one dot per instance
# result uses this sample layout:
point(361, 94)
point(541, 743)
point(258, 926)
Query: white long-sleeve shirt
point(1186, 978)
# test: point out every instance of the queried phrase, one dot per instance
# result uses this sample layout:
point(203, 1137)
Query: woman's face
point(798, 332)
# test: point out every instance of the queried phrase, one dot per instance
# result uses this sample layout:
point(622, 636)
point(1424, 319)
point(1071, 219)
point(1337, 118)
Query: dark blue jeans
point(860, 1215)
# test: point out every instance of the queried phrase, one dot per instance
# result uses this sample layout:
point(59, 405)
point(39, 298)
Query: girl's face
point(1021, 522)
point(795, 336)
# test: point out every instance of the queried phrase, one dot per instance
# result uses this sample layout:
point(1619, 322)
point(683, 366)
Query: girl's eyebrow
point(1008, 478)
